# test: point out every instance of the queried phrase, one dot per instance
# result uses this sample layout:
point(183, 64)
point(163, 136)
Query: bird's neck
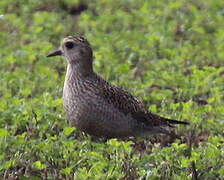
point(78, 71)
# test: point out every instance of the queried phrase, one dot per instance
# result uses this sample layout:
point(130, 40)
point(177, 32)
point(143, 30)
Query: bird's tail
point(165, 125)
point(172, 122)
point(168, 124)
point(157, 124)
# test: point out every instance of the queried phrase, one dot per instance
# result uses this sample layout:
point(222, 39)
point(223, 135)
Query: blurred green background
point(170, 54)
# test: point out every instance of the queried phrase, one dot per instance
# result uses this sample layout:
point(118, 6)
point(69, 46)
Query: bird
point(99, 108)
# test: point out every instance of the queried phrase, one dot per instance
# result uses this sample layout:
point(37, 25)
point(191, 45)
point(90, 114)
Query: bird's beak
point(55, 53)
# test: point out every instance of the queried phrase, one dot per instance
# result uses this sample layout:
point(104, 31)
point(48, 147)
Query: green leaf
point(66, 171)
point(68, 130)
point(39, 165)
point(3, 132)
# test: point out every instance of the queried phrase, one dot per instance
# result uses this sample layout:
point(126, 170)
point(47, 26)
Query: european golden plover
point(97, 107)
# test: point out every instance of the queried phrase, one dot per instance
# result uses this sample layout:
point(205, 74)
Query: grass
point(167, 53)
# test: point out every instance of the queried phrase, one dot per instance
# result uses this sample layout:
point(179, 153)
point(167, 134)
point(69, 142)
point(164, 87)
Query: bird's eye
point(69, 45)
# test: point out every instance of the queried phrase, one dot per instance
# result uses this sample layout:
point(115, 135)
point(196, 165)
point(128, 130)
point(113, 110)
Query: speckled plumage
point(98, 108)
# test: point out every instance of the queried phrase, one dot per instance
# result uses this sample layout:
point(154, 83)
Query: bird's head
point(76, 50)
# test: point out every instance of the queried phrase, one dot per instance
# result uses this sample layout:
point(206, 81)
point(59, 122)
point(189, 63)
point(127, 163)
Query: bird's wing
point(128, 104)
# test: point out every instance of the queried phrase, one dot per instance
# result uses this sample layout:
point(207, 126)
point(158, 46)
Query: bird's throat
point(78, 71)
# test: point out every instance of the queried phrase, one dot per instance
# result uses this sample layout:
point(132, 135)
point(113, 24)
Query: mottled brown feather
point(128, 104)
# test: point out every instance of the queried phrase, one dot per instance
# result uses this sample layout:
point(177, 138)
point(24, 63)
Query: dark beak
point(55, 53)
